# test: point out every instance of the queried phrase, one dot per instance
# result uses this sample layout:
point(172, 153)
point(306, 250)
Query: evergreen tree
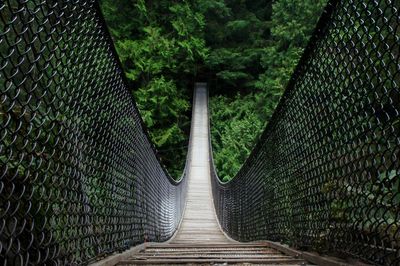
point(276, 37)
point(160, 44)
point(246, 49)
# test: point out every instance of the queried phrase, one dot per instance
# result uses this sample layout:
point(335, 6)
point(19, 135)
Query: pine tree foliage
point(272, 44)
point(160, 44)
point(246, 50)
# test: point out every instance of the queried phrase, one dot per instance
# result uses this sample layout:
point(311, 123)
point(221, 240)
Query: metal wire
point(79, 178)
point(325, 173)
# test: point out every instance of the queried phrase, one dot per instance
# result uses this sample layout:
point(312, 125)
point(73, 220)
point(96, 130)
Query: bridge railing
point(79, 178)
point(325, 174)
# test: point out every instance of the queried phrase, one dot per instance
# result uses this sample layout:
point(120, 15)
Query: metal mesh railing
point(78, 177)
point(325, 174)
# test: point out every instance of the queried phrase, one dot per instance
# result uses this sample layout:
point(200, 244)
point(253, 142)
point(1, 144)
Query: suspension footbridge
point(81, 183)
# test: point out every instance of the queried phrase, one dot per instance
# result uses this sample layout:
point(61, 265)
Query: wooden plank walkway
point(199, 224)
point(199, 240)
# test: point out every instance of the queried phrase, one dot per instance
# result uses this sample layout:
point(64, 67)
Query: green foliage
point(233, 141)
point(236, 38)
point(160, 103)
point(256, 68)
point(251, 47)
point(160, 44)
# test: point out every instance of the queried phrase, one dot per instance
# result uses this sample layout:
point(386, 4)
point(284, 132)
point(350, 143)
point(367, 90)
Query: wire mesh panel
point(78, 178)
point(325, 174)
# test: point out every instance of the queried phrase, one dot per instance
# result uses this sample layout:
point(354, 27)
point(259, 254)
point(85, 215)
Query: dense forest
point(245, 50)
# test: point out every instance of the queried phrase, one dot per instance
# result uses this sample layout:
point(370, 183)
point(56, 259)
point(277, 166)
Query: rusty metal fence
point(79, 178)
point(325, 174)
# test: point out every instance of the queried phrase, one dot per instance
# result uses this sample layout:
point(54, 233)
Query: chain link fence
point(79, 178)
point(325, 174)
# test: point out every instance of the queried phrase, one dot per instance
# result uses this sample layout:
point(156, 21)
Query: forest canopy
point(245, 50)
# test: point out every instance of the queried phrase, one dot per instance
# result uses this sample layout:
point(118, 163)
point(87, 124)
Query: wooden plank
point(198, 261)
point(211, 256)
point(207, 245)
point(211, 252)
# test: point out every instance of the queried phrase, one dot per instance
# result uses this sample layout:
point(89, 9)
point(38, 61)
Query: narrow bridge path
point(199, 223)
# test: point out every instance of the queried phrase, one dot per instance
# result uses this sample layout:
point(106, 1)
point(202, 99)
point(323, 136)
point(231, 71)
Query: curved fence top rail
point(79, 178)
point(325, 174)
